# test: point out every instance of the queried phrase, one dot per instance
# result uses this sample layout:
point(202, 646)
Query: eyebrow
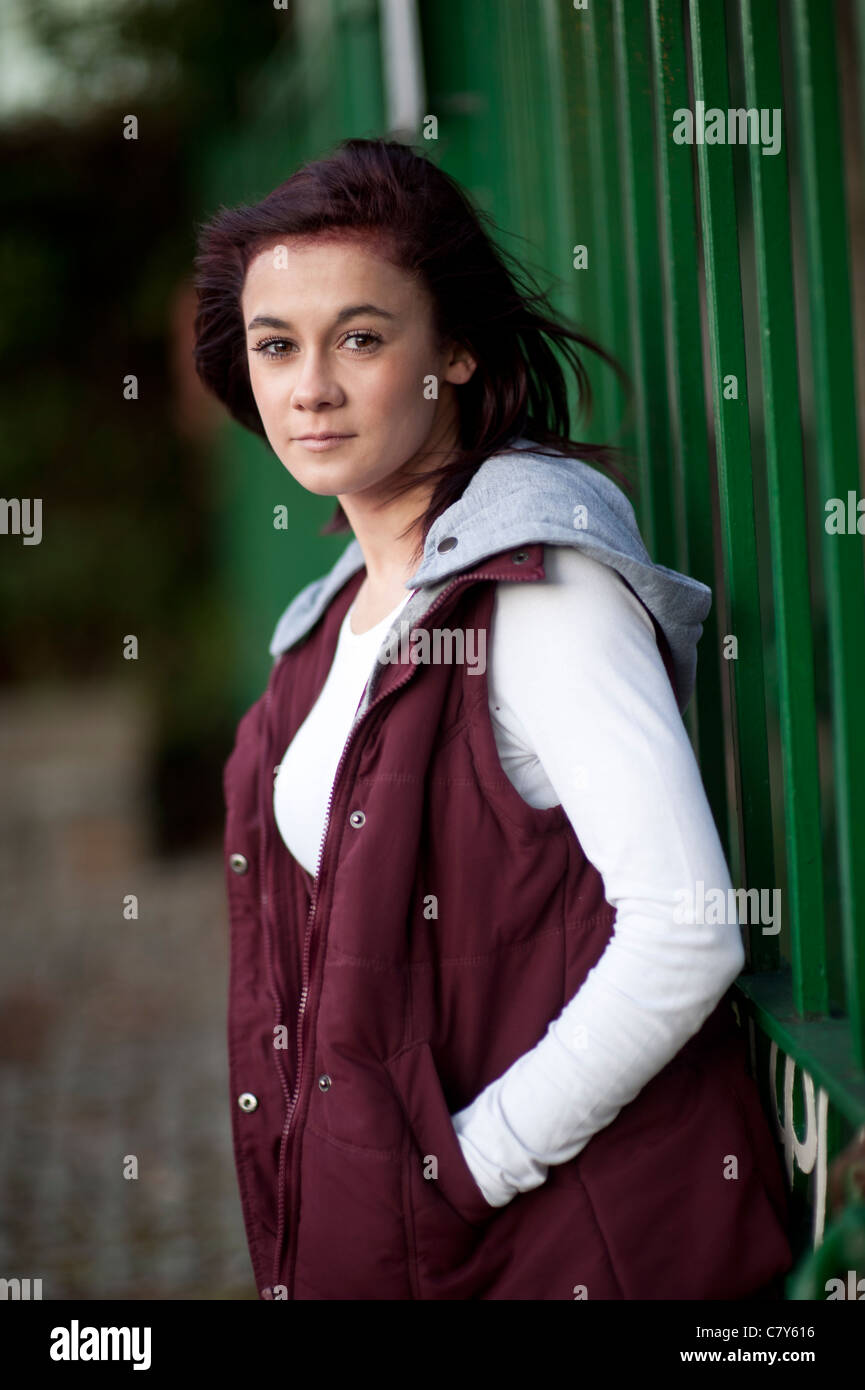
point(350, 312)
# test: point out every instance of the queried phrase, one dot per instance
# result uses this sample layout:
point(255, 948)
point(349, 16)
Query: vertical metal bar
point(561, 163)
point(603, 196)
point(522, 129)
point(860, 65)
point(684, 359)
point(639, 194)
point(678, 254)
point(533, 39)
point(733, 444)
point(787, 518)
point(832, 365)
point(355, 62)
point(571, 213)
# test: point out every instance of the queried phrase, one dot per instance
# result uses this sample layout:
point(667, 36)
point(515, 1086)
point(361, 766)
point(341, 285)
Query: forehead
point(326, 267)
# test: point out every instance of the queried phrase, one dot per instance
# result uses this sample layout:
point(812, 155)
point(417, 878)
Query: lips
point(319, 442)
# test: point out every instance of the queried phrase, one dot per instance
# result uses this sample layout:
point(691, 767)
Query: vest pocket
point(416, 1080)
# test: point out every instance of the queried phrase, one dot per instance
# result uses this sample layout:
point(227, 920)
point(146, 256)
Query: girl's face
point(341, 343)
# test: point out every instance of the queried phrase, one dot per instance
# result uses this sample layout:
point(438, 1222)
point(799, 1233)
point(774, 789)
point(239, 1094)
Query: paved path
point(112, 1043)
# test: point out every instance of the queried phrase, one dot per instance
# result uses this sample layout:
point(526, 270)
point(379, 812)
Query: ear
point(460, 364)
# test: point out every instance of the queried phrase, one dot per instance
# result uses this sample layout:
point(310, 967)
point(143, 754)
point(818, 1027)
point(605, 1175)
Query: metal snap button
point(324, 1082)
point(248, 1101)
point(519, 556)
point(357, 819)
point(448, 543)
point(239, 863)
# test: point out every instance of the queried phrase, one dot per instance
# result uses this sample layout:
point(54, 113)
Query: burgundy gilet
point(449, 923)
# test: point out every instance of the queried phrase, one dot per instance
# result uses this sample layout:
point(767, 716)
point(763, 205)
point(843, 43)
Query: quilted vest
point(448, 923)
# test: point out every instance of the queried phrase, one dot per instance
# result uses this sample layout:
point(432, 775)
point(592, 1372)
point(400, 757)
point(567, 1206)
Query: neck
point(379, 521)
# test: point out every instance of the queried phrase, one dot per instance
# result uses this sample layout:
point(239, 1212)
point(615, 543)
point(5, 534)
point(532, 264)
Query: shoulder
point(578, 591)
point(581, 629)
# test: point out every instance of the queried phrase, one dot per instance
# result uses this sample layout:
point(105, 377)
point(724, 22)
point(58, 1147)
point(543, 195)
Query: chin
point(318, 485)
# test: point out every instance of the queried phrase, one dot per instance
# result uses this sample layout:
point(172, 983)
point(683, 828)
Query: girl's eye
point(369, 339)
point(268, 342)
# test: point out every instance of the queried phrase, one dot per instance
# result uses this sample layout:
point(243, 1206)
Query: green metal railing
point(720, 275)
point(736, 471)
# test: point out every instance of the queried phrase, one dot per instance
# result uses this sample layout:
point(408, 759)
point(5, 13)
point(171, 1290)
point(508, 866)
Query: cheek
point(264, 383)
point(269, 398)
point(399, 390)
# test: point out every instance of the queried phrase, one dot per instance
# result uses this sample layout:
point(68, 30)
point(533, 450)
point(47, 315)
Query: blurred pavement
point(112, 1031)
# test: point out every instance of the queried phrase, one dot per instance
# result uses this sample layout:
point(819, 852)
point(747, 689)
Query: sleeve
point(578, 679)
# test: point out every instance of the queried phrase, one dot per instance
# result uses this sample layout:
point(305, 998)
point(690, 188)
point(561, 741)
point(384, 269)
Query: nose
point(314, 385)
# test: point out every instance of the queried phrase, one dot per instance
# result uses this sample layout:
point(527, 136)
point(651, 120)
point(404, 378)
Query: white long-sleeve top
point(584, 715)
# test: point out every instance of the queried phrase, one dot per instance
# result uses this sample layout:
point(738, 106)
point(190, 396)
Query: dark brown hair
point(482, 300)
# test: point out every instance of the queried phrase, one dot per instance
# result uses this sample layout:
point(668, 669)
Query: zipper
point(460, 581)
point(277, 1002)
point(313, 903)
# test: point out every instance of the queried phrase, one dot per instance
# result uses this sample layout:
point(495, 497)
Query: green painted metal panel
point(462, 66)
point(634, 103)
point(497, 80)
point(601, 213)
point(536, 198)
point(837, 464)
point(532, 197)
point(567, 152)
point(753, 857)
point(676, 204)
point(683, 346)
point(788, 524)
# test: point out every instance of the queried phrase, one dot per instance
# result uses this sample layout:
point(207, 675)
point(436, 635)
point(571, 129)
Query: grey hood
point(519, 497)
